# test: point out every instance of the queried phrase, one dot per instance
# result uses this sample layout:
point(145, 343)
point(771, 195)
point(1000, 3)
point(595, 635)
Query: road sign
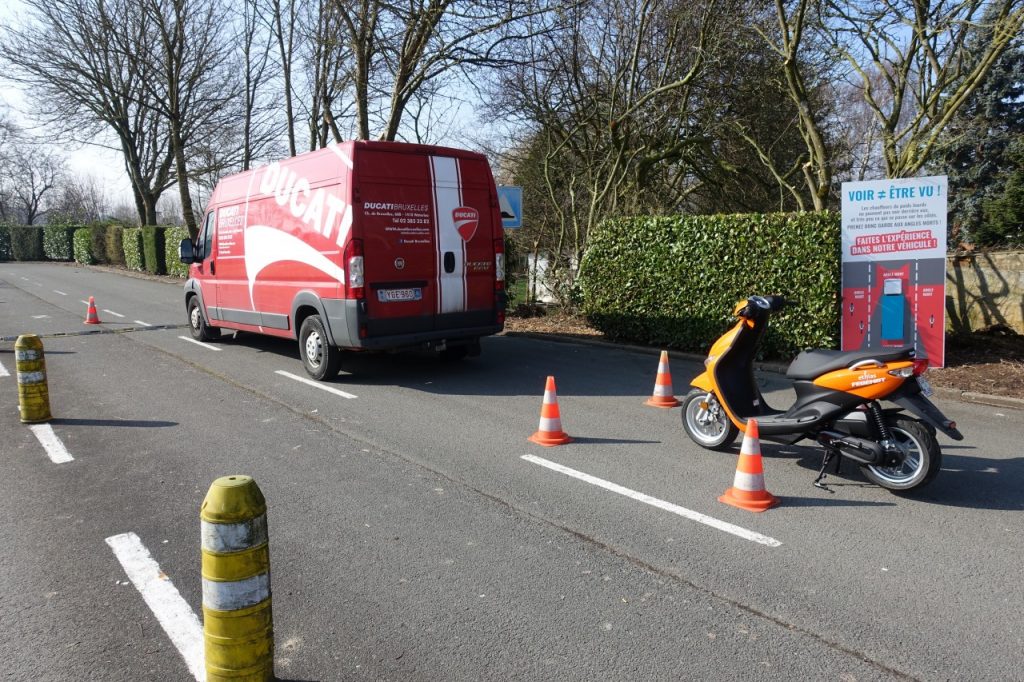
point(510, 199)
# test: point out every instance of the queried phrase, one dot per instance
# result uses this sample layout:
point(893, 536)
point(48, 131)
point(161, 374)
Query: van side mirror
point(186, 251)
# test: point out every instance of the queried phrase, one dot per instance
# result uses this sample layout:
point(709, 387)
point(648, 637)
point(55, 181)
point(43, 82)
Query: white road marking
point(198, 343)
point(39, 317)
point(3, 371)
point(85, 302)
point(112, 313)
point(316, 384)
point(176, 617)
point(144, 324)
point(53, 445)
point(655, 502)
point(58, 291)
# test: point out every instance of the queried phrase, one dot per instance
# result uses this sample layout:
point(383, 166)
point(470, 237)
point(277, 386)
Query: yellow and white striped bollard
point(33, 394)
point(238, 625)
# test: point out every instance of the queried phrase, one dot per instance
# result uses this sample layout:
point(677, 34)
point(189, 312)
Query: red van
point(357, 246)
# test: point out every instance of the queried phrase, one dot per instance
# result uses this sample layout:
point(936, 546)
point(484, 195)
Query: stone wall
point(983, 289)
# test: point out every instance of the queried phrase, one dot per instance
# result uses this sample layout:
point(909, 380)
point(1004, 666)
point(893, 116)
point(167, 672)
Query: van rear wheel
point(321, 359)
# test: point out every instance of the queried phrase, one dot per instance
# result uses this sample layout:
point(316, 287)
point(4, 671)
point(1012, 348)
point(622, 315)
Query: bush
point(172, 238)
point(153, 250)
point(98, 237)
point(83, 246)
point(57, 242)
point(673, 281)
point(5, 242)
point(114, 243)
point(26, 242)
point(131, 240)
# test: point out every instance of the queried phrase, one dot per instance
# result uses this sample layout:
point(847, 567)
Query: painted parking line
point(58, 291)
point(660, 504)
point(316, 384)
point(198, 343)
point(106, 310)
point(53, 445)
point(144, 324)
point(174, 614)
point(3, 371)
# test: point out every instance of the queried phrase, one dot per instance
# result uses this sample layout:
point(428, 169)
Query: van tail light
point(355, 274)
point(499, 264)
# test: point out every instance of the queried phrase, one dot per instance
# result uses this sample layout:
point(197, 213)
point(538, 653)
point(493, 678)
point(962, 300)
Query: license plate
point(390, 295)
point(926, 388)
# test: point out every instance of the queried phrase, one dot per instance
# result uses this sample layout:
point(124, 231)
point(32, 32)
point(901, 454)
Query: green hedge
point(83, 246)
point(27, 242)
point(131, 240)
point(57, 242)
point(98, 242)
point(172, 238)
point(153, 250)
point(114, 243)
point(5, 242)
point(673, 281)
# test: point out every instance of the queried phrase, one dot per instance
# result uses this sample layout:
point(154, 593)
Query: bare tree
point(193, 87)
point(78, 201)
point(614, 104)
point(80, 58)
point(255, 47)
point(328, 69)
point(790, 40)
point(283, 18)
point(400, 48)
point(32, 172)
point(927, 67)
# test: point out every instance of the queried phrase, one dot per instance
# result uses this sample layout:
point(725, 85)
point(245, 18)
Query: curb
point(773, 367)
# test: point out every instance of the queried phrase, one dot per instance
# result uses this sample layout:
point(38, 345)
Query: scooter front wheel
point(706, 423)
point(922, 456)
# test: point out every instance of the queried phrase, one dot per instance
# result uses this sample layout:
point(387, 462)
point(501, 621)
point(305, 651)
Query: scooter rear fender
point(909, 397)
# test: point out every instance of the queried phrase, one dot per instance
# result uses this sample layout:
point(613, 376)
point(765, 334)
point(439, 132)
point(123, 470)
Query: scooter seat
point(811, 364)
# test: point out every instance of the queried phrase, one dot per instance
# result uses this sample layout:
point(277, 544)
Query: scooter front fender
point(704, 382)
point(910, 398)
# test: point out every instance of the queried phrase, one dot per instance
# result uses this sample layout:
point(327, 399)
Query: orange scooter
point(837, 403)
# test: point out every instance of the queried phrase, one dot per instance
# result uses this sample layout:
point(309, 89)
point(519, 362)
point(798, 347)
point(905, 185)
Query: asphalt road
point(411, 540)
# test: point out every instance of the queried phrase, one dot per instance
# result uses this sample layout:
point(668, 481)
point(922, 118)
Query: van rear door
point(393, 205)
point(427, 228)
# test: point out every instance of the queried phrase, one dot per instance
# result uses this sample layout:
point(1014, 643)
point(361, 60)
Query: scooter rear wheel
point(923, 457)
point(706, 423)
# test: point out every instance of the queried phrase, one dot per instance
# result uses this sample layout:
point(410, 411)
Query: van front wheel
point(321, 359)
point(197, 324)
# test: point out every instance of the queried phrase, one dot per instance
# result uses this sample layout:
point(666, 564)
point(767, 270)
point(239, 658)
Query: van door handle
point(449, 262)
point(213, 268)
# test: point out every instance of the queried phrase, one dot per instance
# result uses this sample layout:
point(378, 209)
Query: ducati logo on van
point(466, 220)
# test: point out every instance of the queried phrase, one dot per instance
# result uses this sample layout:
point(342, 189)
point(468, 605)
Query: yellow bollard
point(238, 625)
point(33, 395)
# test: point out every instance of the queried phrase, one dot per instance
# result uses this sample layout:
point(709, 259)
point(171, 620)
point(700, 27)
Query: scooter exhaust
point(858, 449)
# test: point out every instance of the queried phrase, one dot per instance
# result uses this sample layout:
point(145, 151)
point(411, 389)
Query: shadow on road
point(508, 366)
point(134, 423)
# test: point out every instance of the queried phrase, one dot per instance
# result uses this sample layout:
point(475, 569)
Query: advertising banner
point(894, 265)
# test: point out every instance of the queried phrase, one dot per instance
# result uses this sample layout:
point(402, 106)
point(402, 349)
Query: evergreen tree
point(1004, 214)
point(977, 153)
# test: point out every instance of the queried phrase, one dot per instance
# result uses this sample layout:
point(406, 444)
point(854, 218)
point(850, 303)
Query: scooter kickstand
point(829, 453)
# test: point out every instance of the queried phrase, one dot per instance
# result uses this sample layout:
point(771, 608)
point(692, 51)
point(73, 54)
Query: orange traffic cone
point(747, 491)
point(90, 316)
point(550, 432)
point(663, 396)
